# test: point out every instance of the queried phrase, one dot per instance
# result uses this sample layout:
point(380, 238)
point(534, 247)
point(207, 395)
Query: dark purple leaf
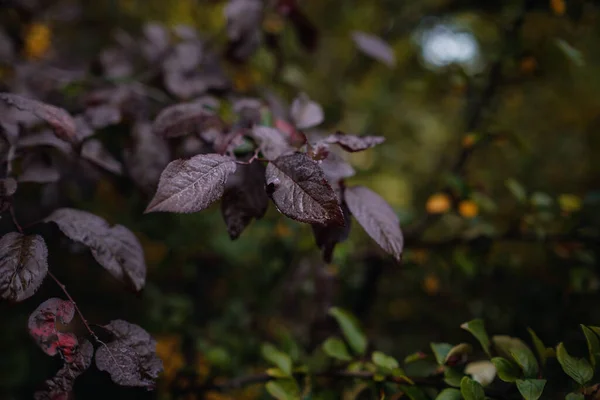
point(60, 386)
point(43, 138)
point(186, 57)
point(271, 142)
point(93, 150)
point(375, 47)
point(23, 265)
point(42, 327)
point(300, 190)
point(182, 119)
point(131, 358)
point(116, 63)
point(148, 158)
point(336, 169)
point(116, 248)
point(248, 111)
point(244, 18)
point(8, 187)
point(103, 115)
point(84, 130)
point(188, 186)
point(61, 121)
point(327, 236)
point(378, 219)
point(37, 169)
point(306, 113)
point(244, 198)
point(156, 41)
point(319, 151)
point(353, 143)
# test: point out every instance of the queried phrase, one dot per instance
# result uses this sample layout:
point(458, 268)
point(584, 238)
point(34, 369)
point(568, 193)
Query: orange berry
point(528, 65)
point(438, 203)
point(431, 284)
point(469, 140)
point(558, 6)
point(468, 209)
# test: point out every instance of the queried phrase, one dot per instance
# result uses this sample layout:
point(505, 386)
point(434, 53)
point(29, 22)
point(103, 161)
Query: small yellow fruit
point(37, 40)
point(468, 209)
point(438, 203)
point(431, 284)
point(558, 6)
point(569, 202)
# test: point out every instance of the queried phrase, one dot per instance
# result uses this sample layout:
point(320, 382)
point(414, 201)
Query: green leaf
point(540, 347)
point(526, 360)
point(577, 368)
point(458, 351)
point(471, 389)
point(413, 392)
point(531, 389)
point(477, 329)
point(283, 389)
point(384, 361)
point(507, 371)
point(453, 377)
point(516, 189)
point(419, 355)
point(449, 394)
point(482, 371)
point(575, 396)
point(592, 342)
point(278, 358)
point(440, 351)
point(351, 329)
point(336, 348)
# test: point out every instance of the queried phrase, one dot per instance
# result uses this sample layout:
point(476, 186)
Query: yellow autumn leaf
point(559, 7)
point(569, 202)
point(468, 208)
point(438, 203)
point(38, 38)
point(168, 349)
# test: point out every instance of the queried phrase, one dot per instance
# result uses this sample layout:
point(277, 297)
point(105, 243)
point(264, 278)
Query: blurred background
point(508, 234)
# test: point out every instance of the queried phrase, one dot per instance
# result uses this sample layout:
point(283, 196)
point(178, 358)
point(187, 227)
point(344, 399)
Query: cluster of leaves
point(507, 367)
point(183, 148)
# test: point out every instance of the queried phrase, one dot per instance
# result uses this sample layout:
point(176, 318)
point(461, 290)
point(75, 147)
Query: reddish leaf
point(182, 119)
point(94, 151)
point(131, 358)
point(192, 185)
point(300, 191)
point(378, 219)
point(354, 143)
point(60, 120)
point(23, 265)
point(60, 386)
point(306, 113)
point(244, 198)
point(271, 142)
point(328, 236)
point(42, 327)
point(148, 158)
point(116, 248)
point(375, 47)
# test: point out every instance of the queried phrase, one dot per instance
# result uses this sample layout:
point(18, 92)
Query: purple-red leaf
point(182, 119)
point(60, 386)
point(374, 47)
point(244, 198)
point(131, 358)
point(103, 115)
point(378, 219)
point(353, 143)
point(8, 187)
point(23, 265)
point(336, 169)
point(93, 150)
point(188, 186)
point(148, 158)
point(61, 121)
point(327, 236)
point(115, 248)
point(300, 190)
point(271, 142)
point(306, 113)
point(37, 169)
point(244, 19)
point(42, 327)
point(43, 138)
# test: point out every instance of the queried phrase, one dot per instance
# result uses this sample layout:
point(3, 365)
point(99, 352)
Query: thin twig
point(14, 219)
point(66, 292)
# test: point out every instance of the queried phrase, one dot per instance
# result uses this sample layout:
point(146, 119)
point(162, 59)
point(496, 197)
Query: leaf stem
point(14, 219)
